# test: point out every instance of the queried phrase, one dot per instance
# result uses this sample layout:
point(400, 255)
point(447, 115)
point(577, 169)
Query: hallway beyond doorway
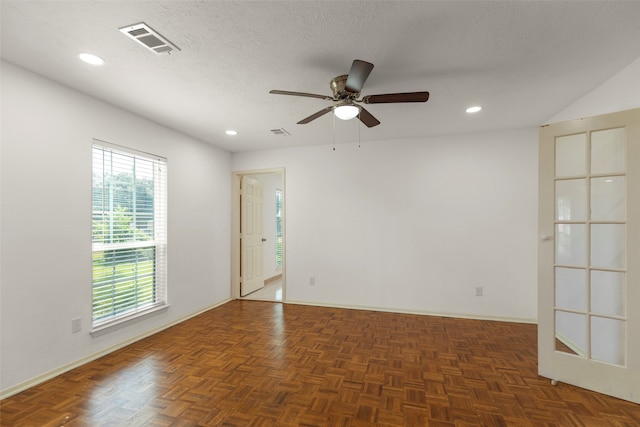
point(271, 292)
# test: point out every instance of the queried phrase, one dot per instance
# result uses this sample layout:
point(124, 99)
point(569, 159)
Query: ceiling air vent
point(281, 131)
point(147, 37)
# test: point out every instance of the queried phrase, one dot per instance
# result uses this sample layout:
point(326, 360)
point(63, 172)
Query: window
point(278, 229)
point(128, 233)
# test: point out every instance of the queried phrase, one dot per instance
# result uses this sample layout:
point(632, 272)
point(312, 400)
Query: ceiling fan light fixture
point(346, 112)
point(346, 89)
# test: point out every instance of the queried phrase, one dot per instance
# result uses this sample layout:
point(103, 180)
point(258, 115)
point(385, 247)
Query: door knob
point(264, 240)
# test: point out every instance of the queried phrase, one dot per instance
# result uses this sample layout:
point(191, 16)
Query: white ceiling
point(522, 61)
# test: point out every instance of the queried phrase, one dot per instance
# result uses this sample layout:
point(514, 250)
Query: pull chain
point(359, 126)
point(334, 132)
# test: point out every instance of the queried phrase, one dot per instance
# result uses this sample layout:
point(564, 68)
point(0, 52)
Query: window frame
point(158, 241)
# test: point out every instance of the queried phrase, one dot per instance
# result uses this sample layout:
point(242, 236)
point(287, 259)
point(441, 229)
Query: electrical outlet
point(76, 325)
point(312, 281)
point(479, 291)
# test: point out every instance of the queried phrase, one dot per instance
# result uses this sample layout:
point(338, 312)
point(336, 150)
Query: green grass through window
point(123, 280)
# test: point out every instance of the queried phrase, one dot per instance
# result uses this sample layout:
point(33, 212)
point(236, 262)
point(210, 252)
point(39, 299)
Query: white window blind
point(129, 233)
point(278, 229)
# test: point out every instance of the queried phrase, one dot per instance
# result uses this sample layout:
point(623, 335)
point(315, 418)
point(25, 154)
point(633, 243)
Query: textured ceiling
point(522, 61)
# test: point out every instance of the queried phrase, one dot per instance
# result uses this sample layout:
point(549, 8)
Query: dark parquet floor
point(250, 363)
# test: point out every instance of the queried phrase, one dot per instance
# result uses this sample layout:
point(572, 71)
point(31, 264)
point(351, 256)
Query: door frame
point(236, 255)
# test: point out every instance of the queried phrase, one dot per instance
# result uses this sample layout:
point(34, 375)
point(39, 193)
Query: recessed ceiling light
point(231, 132)
point(90, 58)
point(474, 109)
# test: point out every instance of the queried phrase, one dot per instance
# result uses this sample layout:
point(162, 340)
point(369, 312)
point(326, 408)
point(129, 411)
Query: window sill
point(113, 325)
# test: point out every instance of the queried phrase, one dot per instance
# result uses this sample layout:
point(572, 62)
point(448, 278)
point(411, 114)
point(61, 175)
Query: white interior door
point(589, 254)
point(251, 236)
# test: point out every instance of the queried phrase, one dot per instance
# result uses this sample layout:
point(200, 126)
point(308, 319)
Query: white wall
point(619, 93)
point(47, 130)
point(413, 225)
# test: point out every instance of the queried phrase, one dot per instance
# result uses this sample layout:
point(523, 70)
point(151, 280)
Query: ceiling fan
point(346, 89)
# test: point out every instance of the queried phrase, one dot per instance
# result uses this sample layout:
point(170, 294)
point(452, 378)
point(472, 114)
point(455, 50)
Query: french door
point(589, 253)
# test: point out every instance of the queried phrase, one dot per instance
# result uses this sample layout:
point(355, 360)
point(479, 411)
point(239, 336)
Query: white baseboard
point(273, 278)
point(61, 370)
point(421, 313)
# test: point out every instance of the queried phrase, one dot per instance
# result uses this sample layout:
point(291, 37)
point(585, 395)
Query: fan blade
point(396, 97)
point(360, 70)
point(367, 118)
point(315, 115)
point(309, 95)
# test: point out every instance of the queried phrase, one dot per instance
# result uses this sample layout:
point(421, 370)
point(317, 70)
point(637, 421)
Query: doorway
point(258, 218)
